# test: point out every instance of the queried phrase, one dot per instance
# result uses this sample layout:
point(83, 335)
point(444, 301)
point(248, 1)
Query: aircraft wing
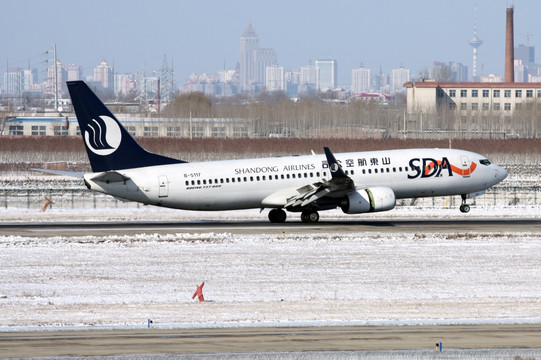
point(339, 185)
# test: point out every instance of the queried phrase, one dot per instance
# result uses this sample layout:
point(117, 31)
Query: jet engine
point(369, 200)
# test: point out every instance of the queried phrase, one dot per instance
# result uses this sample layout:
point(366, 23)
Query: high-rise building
point(525, 53)
point(103, 73)
point(521, 71)
point(74, 72)
point(13, 82)
point(61, 77)
point(123, 84)
point(327, 78)
point(308, 76)
point(262, 58)
point(249, 41)
point(360, 80)
point(398, 78)
point(459, 72)
point(274, 78)
point(30, 79)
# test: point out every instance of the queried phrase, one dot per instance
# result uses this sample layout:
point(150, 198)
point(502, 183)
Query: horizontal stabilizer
point(111, 177)
point(60, 172)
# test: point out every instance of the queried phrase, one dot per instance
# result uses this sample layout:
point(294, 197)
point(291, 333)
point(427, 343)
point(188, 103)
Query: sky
point(204, 36)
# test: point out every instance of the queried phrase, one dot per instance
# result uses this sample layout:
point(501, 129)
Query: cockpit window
point(484, 162)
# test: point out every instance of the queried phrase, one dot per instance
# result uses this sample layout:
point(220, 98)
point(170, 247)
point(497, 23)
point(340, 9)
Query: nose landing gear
point(464, 207)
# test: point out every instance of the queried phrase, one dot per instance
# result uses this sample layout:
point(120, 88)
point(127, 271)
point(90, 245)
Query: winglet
point(334, 166)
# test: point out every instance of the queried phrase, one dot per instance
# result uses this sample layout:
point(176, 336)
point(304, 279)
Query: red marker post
point(199, 293)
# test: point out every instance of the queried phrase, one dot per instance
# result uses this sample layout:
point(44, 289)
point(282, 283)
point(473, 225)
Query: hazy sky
point(203, 36)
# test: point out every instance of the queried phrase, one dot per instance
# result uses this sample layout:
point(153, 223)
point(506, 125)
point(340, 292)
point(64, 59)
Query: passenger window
point(187, 183)
point(376, 171)
point(257, 178)
point(352, 172)
point(227, 180)
point(198, 182)
point(370, 171)
point(364, 171)
point(251, 178)
point(233, 180)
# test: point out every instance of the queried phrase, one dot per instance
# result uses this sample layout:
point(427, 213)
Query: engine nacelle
point(369, 200)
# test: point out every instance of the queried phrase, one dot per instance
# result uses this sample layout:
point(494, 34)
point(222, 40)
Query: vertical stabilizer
point(109, 146)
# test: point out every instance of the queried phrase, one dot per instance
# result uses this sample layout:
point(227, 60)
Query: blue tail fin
point(108, 145)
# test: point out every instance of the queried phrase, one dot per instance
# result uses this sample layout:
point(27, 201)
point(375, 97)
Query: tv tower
point(475, 42)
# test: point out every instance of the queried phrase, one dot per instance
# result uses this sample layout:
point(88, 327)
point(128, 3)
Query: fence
point(86, 199)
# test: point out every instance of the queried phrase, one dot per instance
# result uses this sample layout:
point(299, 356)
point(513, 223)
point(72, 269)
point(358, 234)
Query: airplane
point(355, 182)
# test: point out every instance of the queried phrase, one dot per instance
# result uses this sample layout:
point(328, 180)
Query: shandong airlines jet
point(356, 182)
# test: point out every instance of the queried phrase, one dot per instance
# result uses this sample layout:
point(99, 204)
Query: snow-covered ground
point(322, 278)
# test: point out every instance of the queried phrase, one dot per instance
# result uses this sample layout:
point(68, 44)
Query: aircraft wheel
point(313, 217)
point(464, 208)
point(309, 217)
point(277, 216)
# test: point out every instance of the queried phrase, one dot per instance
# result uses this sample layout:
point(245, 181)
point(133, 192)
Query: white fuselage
point(244, 184)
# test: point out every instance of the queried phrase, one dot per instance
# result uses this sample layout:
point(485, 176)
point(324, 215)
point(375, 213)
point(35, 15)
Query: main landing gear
point(277, 216)
point(464, 207)
point(309, 216)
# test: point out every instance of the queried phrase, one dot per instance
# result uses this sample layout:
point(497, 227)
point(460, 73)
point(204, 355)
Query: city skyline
point(204, 37)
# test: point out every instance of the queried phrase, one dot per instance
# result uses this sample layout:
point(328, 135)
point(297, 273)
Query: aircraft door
point(465, 166)
point(163, 186)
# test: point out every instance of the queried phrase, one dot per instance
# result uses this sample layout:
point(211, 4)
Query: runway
point(397, 266)
point(274, 339)
point(46, 229)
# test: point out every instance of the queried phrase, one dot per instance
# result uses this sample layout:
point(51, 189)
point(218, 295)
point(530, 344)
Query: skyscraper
point(249, 41)
point(525, 53)
point(327, 74)
point(262, 58)
point(360, 80)
point(103, 74)
point(398, 78)
point(275, 79)
point(13, 84)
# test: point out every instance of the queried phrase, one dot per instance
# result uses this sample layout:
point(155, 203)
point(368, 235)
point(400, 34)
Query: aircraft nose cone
point(501, 173)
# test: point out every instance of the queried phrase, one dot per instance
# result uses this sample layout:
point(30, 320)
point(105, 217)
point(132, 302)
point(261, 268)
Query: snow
point(265, 279)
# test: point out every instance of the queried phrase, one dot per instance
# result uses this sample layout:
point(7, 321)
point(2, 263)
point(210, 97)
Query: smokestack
point(509, 48)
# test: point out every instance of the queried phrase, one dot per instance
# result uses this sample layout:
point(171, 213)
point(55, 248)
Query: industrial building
point(155, 127)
